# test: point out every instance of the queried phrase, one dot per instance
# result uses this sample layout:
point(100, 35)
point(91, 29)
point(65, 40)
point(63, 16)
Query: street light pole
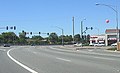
point(82, 30)
point(73, 30)
point(115, 10)
point(62, 35)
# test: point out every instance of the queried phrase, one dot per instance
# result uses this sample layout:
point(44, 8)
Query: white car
point(91, 44)
point(78, 44)
point(114, 44)
point(99, 44)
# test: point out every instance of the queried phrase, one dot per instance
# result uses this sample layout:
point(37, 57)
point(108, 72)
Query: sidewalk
point(71, 47)
point(84, 47)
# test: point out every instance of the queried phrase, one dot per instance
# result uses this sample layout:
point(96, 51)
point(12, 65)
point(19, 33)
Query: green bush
point(112, 49)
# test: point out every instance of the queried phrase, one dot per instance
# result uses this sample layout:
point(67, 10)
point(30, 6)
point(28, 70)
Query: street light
point(82, 30)
point(115, 10)
point(73, 30)
point(62, 34)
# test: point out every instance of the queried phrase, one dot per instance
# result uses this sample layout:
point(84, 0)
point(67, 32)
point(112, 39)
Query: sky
point(44, 15)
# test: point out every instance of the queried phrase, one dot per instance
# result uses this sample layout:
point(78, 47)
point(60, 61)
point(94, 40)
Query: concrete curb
point(112, 51)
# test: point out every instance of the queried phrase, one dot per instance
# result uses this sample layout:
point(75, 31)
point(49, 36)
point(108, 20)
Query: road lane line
point(63, 59)
point(104, 58)
point(22, 65)
point(35, 52)
point(90, 50)
point(2, 49)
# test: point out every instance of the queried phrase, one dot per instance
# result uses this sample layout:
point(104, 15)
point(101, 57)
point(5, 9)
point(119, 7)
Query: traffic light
point(11, 27)
point(39, 32)
point(91, 28)
point(47, 33)
point(31, 33)
point(23, 31)
point(7, 28)
point(14, 27)
point(86, 28)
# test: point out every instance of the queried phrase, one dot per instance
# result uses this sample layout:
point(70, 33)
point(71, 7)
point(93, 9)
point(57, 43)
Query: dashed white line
point(118, 71)
point(22, 65)
point(104, 58)
point(63, 59)
point(2, 49)
point(35, 52)
point(90, 50)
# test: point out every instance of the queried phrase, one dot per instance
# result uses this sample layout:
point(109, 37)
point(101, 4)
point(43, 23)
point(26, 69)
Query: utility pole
point(62, 31)
point(62, 37)
point(82, 31)
point(73, 30)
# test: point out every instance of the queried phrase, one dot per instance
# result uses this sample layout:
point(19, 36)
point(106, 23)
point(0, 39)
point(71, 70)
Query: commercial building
point(108, 38)
point(97, 39)
point(111, 36)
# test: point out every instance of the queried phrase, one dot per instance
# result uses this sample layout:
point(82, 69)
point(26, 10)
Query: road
point(49, 59)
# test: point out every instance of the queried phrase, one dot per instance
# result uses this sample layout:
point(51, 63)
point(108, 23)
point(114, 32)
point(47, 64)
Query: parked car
point(114, 44)
point(6, 45)
point(78, 44)
point(91, 44)
point(99, 44)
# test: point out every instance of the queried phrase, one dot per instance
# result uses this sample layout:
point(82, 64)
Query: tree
point(1, 39)
point(67, 39)
point(53, 37)
point(22, 35)
point(22, 38)
point(88, 38)
point(37, 40)
point(77, 38)
point(9, 37)
point(37, 37)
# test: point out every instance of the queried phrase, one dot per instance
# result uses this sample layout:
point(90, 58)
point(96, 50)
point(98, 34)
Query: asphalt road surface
point(48, 59)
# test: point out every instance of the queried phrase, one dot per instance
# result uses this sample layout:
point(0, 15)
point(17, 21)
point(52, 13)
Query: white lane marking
point(22, 65)
point(77, 50)
point(90, 50)
point(93, 54)
point(102, 54)
point(35, 52)
point(118, 71)
point(2, 49)
point(63, 59)
point(104, 58)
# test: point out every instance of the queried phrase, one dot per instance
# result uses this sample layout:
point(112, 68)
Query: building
point(97, 39)
point(108, 38)
point(111, 36)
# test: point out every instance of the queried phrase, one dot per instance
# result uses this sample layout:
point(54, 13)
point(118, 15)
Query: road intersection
point(52, 59)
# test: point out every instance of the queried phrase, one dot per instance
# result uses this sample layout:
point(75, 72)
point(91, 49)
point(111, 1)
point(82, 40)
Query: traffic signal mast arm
point(87, 29)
